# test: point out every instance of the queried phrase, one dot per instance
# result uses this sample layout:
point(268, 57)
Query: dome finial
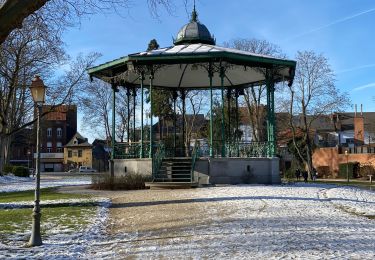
point(194, 14)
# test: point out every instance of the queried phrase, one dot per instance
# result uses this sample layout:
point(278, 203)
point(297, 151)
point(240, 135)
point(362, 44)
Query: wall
point(139, 166)
point(331, 158)
point(215, 171)
point(244, 170)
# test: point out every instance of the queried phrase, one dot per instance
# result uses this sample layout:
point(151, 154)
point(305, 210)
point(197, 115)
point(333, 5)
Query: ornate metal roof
point(194, 32)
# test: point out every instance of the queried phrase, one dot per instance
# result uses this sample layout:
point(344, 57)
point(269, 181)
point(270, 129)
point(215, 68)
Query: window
point(49, 132)
point(59, 132)
point(59, 147)
point(70, 153)
point(49, 147)
point(79, 153)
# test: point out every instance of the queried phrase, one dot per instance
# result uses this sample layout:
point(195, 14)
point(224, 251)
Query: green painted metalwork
point(210, 75)
point(157, 159)
point(141, 154)
point(131, 150)
point(151, 114)
point(270, 114)
point(113, 120)
point(194, 156)
point(222, 75)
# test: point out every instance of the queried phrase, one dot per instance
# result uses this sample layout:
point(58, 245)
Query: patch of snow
point(13, 183)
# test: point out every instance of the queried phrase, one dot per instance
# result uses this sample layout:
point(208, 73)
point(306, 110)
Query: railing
point(159, 155)
point(131, 150)
point(194, 156)
point(240, 149)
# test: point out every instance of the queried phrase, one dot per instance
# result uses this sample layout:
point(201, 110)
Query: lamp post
point(347, 165)
point(37, 90)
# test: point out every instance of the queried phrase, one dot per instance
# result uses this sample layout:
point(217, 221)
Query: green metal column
point(114, 90)
point(210, 75)
point(270, 114)
point(222, 74)
point(151, 121)
point(141, 148)
point(174, 122)
point(128, 121)
point(236, 137)
point(229, 93)
point(134, 106)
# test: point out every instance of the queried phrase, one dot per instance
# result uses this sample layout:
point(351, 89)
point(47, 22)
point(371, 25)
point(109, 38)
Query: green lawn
point(45, 194)
point(16, 223)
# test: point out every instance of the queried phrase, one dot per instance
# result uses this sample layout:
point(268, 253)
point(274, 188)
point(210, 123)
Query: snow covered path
point(234, 222)
point(245, 222)
point(9, 183)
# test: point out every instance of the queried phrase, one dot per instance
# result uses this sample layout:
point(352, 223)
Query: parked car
point(86, 169)
point(32, 171)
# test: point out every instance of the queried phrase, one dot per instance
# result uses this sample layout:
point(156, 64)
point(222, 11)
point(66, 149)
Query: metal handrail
point(194, 156)
point(157, 159)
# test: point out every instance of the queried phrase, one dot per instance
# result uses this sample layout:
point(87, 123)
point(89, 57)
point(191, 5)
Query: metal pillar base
point(36, 238)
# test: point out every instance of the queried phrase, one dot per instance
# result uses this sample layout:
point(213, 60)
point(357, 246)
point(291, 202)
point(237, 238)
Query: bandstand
point(195, 62)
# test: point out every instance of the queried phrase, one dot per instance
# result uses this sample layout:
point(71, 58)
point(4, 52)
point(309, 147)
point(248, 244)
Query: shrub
point(352, 166)
point(8, 168)
point(20, 171)
point(323, 172)
point(123, 182)
point(366, 170)
point(290, 174)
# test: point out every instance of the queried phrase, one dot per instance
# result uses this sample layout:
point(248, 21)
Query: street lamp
point(347, 166)
point(37, 90)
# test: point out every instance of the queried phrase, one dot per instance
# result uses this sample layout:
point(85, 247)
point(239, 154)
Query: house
point(22, 148)
point(101, 154)
point(58, 126)
point(78, 152)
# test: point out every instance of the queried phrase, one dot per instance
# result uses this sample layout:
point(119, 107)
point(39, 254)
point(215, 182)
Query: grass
point(341, 182)
point(15, 224)
point(45, 194)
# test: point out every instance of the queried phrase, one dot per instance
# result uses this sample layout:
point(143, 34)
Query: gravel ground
point(301, 221)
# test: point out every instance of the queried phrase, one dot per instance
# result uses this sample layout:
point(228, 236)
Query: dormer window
point(75, 141)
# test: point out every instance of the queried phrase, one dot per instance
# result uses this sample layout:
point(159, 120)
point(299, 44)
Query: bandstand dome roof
point(194, 32)
point(186, 64)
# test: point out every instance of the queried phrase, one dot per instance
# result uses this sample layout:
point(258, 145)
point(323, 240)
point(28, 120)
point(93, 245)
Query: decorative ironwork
point(157, 159)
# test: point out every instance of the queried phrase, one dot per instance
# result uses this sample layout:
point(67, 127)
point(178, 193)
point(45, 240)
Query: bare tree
point(254, 95)
point(62, 12)
point(313, 94)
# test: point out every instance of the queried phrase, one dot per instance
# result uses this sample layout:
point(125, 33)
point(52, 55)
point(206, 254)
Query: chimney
point(359, 128)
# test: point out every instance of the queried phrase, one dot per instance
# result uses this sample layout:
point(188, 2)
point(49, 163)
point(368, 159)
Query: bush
point(290, 174)
point(8, 168)
point(323, 172)
point(123, 182)
point(21, 171)
point(352, 169)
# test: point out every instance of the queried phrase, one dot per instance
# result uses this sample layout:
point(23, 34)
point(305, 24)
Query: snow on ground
point(9, 183)
point(61, 243)
point(299, 221)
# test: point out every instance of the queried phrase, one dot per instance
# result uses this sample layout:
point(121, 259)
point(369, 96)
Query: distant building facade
point(58, 126)
point(77, 152)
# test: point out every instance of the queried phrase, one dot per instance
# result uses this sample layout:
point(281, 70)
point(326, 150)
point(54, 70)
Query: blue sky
point(342, 30)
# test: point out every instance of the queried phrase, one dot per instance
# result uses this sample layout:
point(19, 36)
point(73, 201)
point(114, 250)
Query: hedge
point(20, 171)
point(352, 168)
point(8, 168)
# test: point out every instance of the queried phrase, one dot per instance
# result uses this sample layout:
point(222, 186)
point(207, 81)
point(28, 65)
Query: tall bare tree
point(312, 95)
point(254, 95)
point(62, 12)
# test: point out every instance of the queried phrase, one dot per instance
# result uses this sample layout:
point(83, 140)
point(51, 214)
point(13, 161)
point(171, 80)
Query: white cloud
point(370, 85)
point(341, 20)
